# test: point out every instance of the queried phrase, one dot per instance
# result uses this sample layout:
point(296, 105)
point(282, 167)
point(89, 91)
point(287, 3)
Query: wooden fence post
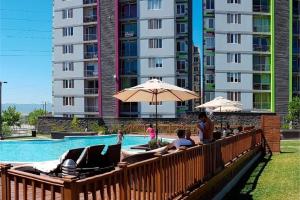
point(123, 180)
point(4, 181)
point(70, 189)
point(159, 178)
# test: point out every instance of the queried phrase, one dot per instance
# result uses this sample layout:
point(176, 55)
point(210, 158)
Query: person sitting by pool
point(188, 134)
point(150, 130)
point(181, 141)
point(120, 137)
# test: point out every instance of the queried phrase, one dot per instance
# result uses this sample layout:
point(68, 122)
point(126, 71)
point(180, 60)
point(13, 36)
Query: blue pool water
point(43, 150)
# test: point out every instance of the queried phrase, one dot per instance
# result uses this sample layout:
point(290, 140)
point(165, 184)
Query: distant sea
point(25, 109)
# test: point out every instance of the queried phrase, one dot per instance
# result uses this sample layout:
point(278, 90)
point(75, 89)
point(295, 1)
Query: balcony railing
point(89, 55)
point(91, 108)
point(263, 48)
point(264, 29)
point(88, 37)
point(90, 90)
point(262, 105)
point(261, 67)
point(90, 73)
point(261, 8)
point(89, 1)
point(259, 86)
point(90, 18)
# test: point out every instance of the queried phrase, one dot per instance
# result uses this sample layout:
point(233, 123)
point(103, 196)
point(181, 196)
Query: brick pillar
point(270, 124)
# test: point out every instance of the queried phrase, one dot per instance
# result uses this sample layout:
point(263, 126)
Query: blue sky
point(25, 48)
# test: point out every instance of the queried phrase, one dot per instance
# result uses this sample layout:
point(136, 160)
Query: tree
point(75, 126)
point(294, 109)
point(34, 115)
point(11, 116)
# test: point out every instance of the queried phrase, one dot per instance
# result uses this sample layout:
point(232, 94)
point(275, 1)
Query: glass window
point(128, 10)
point(129, 30)
point(181, 65)
point(210, 4)
point(182, 27)
point(210, 60)
point(234, 96)
point(154, 23)
point(181, 9)
point(233, 38)
point(129, 67)
point(155, 62)
point(234, 18)
point(262, 101)
point(155, 43)
point(68, 101)
point(154, 4)
point(181, 82)
point(129, 48)
point(210, 42)
point(233, 58)
point(68, 66)
point(234, 77)
point(155, 77)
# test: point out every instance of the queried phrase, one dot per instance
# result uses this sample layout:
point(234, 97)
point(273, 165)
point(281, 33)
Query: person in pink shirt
point(150, 130)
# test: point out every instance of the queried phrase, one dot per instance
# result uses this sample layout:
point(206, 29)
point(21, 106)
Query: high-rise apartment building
point(246, 52)
point(295, 46)
point(103, 46)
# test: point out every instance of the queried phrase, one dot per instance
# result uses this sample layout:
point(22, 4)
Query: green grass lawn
point(276, 177)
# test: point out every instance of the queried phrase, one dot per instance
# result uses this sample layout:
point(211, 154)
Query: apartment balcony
point(259, 86)
point(90, 73)
point(91, 109)
point(90, 18)
point(90, 55)
point(261, 8)
point(90, 91)
point(261, 48)
point(89, 37)
point(261, 67)
point(262, 105)
point(89, 1)
point(261, 29)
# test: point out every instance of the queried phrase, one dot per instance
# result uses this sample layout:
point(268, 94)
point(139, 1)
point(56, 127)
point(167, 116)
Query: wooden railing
point(163, 177)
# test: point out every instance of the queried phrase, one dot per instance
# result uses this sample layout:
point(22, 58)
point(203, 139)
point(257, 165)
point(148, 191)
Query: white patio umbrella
point(228, 109)
point(220, 102)
point(155, 91)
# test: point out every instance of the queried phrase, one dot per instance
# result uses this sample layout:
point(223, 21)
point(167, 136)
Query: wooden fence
point(166, 176)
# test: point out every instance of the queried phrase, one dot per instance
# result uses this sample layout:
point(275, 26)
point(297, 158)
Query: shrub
point(6, 130)
point(75, 125)
point(153, 144)
point(95, 127)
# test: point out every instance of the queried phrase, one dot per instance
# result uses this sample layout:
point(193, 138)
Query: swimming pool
point(43, 150)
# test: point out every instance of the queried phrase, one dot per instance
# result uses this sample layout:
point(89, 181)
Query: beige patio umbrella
point(155, 91)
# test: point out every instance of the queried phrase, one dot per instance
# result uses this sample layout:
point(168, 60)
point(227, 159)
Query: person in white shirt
point(181, 141)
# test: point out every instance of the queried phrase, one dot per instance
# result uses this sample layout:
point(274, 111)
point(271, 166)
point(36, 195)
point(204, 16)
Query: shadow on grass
point(249, 181)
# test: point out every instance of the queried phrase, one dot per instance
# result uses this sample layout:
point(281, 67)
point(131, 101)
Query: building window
point(68, 115)
point(181, 65)
point(155, 77)
point(209, 78)
point(233, 38)
point(154, 4)
point(67, 48)
point(210, 4)
point(155, 43)
point(234, 1)
point(181, 82)
point(181, 9)
point(182, 46)
point(234, 18)
point(182, 28)
point(233, 58)
point(67, 31)
point(154, 24)
point(68, 83)
point(68, 101)
point(210, 42)
point(155, 62)
point(211, 22)
point(67, 13)
point(234, 96)
point(181, 103)
point(210, 60)
point(233, 77)
point(68, 66)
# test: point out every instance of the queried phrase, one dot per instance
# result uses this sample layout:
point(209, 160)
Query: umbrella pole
point(156, 115)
